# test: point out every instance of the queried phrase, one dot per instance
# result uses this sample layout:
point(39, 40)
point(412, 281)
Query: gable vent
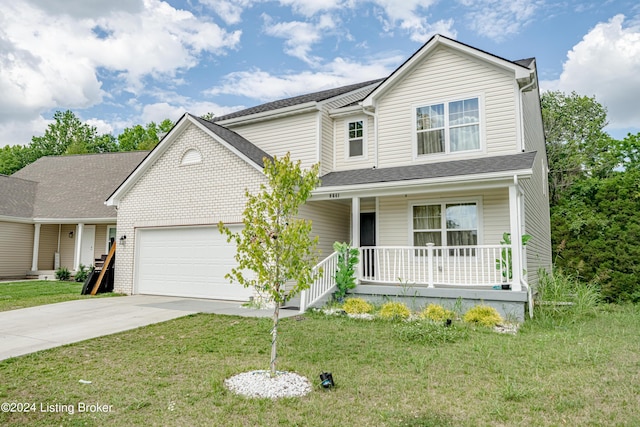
point(191, 156)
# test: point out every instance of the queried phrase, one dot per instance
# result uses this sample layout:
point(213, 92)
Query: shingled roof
point(68, 187)
point(483, 165)
point(297, 100)
point(18, 197)
point(238, 142)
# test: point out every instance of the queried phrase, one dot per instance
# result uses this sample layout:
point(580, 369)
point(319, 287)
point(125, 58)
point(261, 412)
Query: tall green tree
point(274, 244)
point(66, 135)
point(577, 145)
point(141, 137)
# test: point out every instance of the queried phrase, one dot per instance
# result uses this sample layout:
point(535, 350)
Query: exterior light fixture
point(71, 234)
point(123, 238)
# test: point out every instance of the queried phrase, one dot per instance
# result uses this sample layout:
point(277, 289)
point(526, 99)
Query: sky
point(118, 63)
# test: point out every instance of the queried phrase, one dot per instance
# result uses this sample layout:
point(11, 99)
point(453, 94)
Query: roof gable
point(520, 70)
point(240, 146)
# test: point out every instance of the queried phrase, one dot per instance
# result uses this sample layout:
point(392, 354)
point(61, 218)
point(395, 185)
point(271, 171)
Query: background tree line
point(69, 135)
point(594, 189)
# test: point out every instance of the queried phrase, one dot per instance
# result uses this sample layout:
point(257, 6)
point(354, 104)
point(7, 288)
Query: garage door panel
point(186, 261)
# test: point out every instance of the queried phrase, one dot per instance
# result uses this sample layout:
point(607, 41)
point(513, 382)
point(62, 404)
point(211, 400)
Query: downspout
point(522, 90)
point(375, 134)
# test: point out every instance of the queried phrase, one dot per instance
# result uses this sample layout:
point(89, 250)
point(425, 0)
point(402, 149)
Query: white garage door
point(186, 261)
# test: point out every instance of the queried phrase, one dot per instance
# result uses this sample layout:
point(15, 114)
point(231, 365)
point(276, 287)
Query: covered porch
point(67, 244)
point(434, 243)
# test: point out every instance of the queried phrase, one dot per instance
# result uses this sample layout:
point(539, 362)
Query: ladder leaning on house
point(101, 278)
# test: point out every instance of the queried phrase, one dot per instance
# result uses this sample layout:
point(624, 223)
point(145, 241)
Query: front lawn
point(553, 372)
point(14, 295)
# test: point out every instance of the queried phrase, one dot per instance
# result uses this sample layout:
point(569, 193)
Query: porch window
point(356, 138)
point(445, 224)
point(448, 127)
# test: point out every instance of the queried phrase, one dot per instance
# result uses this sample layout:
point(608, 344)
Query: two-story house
point(424, 171)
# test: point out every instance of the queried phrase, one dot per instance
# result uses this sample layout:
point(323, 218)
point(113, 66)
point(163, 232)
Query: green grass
point(14, 295)
point(580, 371)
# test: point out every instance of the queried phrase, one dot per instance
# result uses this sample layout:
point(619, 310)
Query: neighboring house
point(52, 212)
point(424, 171)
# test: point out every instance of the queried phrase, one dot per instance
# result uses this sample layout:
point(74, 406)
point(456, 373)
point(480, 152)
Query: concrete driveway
point(38, 328)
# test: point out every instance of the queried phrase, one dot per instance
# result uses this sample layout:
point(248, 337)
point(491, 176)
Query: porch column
point(516, 236)
point(36, 247)
point(355, 232)
point(78, 251)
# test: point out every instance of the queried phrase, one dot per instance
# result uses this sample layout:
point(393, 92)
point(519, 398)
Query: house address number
point(334, 195)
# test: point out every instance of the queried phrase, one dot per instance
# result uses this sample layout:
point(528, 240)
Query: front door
point(87, 257)
point(367, 238)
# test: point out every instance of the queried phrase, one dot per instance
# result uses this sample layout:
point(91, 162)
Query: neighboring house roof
point(238, 142)
point(18, 197)
point(297, 100)
point(485, 165)
point(75, 187)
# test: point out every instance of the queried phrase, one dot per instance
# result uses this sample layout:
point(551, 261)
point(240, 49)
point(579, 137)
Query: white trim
point(478, 201)
point(476, 181)
point(319, 137)
point(447, 153)
point(75, 220)
point(365, 126)
point(36, 247)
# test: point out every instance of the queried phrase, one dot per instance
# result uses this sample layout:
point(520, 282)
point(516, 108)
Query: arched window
point(190, 157)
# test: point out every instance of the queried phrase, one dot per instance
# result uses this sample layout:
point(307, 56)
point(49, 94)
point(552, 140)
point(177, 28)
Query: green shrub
point(483, 315)
point(430, 333)
point(395, 311)
point(345, 274)
point(82, 273)
point(357, 306)
point(437, 313)
point(63, 274)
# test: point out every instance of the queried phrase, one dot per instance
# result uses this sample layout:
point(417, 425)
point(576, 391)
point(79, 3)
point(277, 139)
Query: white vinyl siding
point(330, 221)
point(297, 134)
point(394, 215)
point(16, 249)
point(536, 195)
point(447, 75)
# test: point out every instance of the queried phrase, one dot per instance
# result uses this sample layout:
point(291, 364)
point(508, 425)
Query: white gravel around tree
point(260, 384)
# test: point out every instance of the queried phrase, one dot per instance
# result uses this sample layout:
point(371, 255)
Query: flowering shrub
point(483, 315)
point(437, 313)
point(395, 311)
point(357, 306)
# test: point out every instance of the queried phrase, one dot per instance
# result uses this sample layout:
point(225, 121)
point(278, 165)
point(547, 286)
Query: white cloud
point(263, 86)
point(229, 10)
point(606, 63)
point(409, 16)
point(497, 19)
point(55, 60)
point(300, 36)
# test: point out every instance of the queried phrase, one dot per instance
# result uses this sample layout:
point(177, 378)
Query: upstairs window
point(448, 127)
point(355, 138)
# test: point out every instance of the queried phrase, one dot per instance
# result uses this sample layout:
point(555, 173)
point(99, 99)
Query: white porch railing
point(323, 285)
point(435, 265)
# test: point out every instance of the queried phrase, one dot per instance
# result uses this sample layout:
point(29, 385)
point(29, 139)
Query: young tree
point(274, 244)
point(66, 135)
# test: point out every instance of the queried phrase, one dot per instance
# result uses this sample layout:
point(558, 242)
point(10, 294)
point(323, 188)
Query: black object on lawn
point(326, 380)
